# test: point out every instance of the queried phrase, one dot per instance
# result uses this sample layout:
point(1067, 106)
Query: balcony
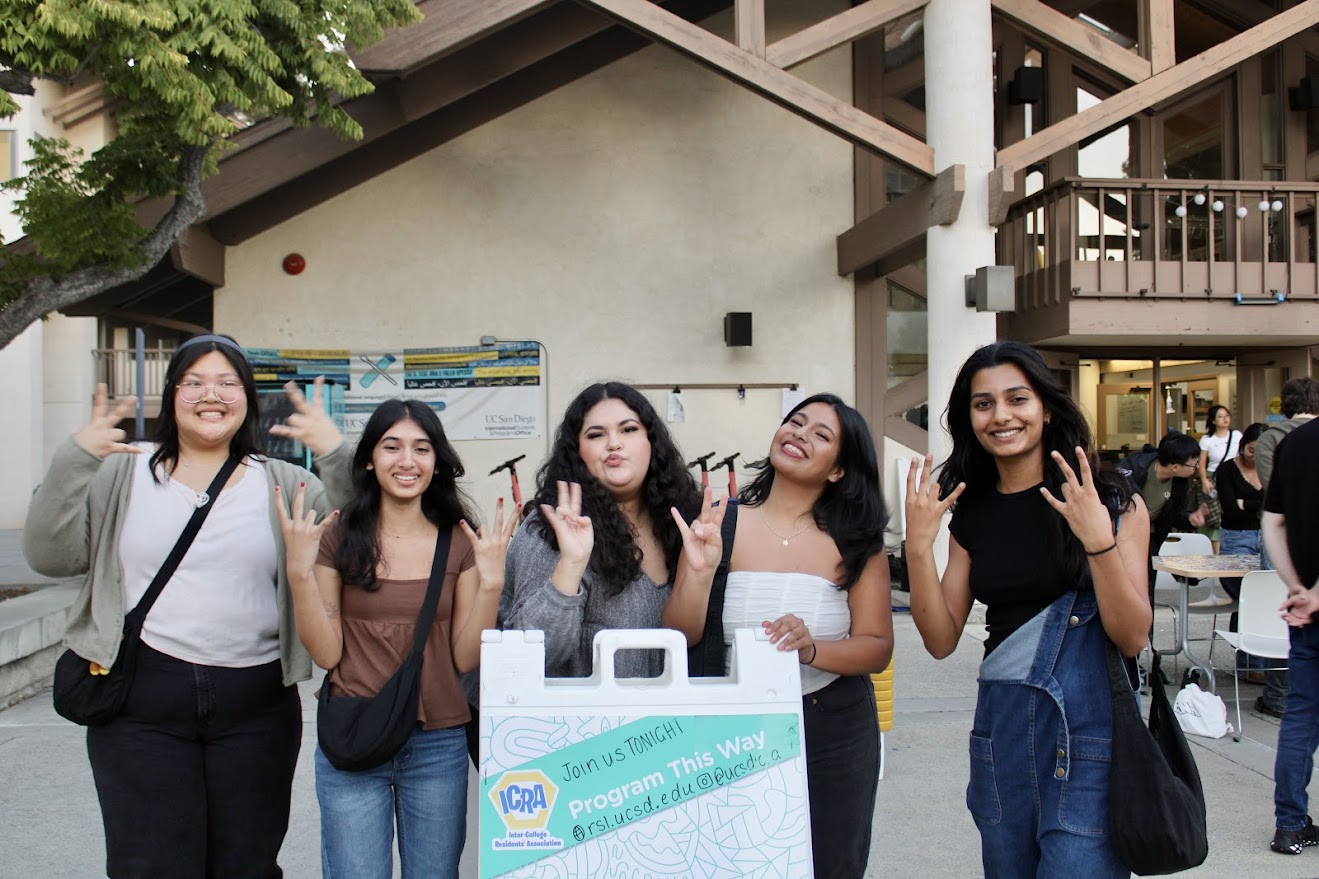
point(1122, 263)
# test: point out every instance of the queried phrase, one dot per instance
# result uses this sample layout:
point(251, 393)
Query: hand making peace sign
point(703, 542)
point(310, 424)
point(100, 437)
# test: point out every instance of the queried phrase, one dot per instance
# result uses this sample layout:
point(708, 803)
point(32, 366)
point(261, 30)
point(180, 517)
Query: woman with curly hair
point(599, 546)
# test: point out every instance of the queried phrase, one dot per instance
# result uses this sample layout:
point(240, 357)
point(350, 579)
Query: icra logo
point(524, 799)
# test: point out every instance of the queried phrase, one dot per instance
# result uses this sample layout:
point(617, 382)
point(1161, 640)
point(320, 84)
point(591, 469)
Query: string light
point(1269, 204)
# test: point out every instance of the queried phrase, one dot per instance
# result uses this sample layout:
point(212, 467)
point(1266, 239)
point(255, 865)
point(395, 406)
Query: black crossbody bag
point(91, 695)
point(357, 733)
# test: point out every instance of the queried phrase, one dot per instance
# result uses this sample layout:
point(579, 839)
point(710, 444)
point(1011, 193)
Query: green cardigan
point(73, 525)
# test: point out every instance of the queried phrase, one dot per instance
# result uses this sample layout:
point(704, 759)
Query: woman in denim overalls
point(1035, 537)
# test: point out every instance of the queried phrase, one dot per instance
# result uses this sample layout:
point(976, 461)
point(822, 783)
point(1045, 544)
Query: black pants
point(842, 774)
point(195, 777)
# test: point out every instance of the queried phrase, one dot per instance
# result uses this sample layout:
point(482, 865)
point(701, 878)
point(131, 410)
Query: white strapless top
point(754, 597)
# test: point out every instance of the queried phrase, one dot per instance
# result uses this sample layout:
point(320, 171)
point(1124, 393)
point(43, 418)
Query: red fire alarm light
point(294, 264)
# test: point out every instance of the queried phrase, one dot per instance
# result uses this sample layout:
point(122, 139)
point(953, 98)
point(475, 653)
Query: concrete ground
point(51, 823)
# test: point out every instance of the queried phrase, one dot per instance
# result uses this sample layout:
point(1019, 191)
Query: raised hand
point(491, 546)
point(790, 633)
point(100, 437)
point(923, 507)
point(302, 534)
point(1085, 513)
point(572, 530)
point(702, 542)
point(310, 424)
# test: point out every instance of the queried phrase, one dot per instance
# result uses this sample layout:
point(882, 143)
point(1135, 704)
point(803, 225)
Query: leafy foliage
point(179, 75)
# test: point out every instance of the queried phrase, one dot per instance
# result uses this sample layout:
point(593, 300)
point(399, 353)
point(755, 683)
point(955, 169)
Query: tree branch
point(17, 82)
point(44, 295)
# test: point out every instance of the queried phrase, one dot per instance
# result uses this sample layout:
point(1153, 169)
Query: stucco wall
point(616, 220)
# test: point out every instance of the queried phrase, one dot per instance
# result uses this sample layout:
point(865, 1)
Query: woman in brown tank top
point(358, 583)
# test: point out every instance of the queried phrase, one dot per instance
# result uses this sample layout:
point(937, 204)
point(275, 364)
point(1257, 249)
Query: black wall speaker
point(737, 329)
point(1026, 86)
point(1305, 96)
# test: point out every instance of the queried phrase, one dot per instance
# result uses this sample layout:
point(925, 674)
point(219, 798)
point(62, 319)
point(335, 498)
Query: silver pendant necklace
point(785, 540)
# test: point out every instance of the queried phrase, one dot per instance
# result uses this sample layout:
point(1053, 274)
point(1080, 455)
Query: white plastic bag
point(1201, 713)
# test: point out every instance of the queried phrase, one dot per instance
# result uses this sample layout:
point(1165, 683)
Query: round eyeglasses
point(227, 392)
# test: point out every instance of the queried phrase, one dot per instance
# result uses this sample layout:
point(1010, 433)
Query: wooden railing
point(117, 368)
point(1162, 238)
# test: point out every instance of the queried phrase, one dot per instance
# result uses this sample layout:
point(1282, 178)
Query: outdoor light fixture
point(1270, 203)
point(1026, 86)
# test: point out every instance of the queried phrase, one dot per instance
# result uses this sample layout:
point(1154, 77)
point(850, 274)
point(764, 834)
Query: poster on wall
point(480, 392)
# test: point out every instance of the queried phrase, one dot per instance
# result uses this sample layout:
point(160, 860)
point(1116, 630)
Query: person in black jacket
point(1162, 478)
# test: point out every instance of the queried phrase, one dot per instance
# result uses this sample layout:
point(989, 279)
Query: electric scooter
point(703, 462)
point(511, 466)
point(732, 474)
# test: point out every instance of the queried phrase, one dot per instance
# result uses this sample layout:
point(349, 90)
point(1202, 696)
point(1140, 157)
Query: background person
point(1300, 404)
point(599, 546)
point(808, 566)
point(1035, 536)
point(357, 592)
point(1290, 523)
point(1162, 478)
point(195, 775)
point(1241, 495)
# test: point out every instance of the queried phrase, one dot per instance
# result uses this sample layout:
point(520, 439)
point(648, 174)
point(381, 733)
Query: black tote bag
point(357, 733)
point(1156, 805)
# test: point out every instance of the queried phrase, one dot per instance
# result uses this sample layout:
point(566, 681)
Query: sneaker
point(1264, 708)
point(1291, 842)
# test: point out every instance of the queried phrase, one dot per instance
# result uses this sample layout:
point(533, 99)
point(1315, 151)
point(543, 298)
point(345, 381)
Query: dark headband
point(219, 340)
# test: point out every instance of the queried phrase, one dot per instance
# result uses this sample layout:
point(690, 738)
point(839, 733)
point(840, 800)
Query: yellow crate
point(883, 684)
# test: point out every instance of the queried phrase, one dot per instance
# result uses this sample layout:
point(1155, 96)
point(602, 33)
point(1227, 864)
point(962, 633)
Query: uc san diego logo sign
point(524, 800)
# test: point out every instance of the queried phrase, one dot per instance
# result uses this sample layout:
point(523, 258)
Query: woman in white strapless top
point(808, 566)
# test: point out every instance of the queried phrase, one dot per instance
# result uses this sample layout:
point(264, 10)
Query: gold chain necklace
point(785, 540)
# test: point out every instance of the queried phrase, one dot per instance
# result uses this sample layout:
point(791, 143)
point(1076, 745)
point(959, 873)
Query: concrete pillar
point(959, 114)
point(21, 460)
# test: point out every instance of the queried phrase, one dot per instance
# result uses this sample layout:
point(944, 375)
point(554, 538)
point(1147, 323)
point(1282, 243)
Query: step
point(31, 628)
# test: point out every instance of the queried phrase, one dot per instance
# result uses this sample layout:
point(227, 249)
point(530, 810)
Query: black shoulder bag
point(1156, 806)
point(708, 658)
point(91, 695)
point(362, 732)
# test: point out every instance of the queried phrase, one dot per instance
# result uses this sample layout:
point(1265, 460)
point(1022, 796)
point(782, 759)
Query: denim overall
point(1041, 746)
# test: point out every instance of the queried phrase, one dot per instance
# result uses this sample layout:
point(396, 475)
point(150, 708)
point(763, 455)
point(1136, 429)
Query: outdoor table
point(1199, 567)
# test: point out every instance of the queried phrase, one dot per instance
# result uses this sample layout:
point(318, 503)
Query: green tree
point(180, 76)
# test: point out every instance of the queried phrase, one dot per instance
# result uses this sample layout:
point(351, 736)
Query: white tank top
point(754, 597)
point(220, 606)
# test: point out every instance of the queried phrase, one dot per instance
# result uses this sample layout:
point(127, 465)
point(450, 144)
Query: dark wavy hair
point(1300, 396)
point(247, 441)
point(1213, 413)
point(616, 558)
point(1067, 429)
point(851, 510)
point(1252, 433)
point(443, 504)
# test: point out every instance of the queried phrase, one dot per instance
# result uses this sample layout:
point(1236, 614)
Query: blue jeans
point(1039, 773)
point(423, 789)
point(1298, 735)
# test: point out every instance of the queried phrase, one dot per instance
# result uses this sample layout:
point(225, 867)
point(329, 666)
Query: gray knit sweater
point(531, 601)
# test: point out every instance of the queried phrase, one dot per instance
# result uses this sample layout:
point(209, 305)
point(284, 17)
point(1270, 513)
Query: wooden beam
point(1161, 86)
point(1002, 193)
point(901, 226)
point(1157, 37)
point(448, 26)
point(898, 428)
point(907, 395)
point(142, 317)
point(749, 26)
point(197, 254)
point(842, 28)
point(763, 78)
point(1086, 42)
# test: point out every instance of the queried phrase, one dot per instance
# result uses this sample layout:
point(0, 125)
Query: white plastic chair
point(1167, 591)
point(1262, 630)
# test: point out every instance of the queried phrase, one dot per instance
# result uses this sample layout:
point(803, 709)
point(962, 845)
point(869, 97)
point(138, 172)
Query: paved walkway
point(51, 823)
